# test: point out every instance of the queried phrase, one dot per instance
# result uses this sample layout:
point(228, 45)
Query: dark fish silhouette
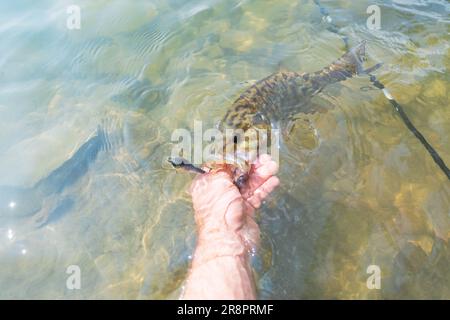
point(16, 202)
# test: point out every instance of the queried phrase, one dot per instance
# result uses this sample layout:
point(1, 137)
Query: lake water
point(357, 188)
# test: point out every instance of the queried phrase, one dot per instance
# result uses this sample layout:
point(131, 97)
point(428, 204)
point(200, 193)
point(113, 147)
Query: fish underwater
point(269, 104)
point(41, 201)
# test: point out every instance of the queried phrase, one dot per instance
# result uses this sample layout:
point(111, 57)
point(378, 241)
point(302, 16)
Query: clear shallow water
point(357, 188)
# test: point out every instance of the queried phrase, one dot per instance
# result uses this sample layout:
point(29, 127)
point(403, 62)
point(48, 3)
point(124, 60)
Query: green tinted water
point(357, 189)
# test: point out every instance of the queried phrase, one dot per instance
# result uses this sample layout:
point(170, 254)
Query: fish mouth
point(359, 51)
point(359, 56)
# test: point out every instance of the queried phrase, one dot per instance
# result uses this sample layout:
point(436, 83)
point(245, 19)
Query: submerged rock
point(237, 40)
point(436, 88)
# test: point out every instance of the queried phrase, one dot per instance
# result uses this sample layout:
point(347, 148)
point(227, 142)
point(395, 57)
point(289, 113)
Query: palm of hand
point(219, 204)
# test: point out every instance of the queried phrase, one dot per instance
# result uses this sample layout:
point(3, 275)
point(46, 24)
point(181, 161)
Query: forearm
point(226, 278)
point(227, 275)
point(227, 231)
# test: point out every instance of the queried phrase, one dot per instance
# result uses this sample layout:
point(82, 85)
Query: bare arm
point(226, 232)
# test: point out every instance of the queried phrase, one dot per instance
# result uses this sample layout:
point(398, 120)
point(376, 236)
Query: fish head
point(233, 160)
point(352, 61)
point(357, 56)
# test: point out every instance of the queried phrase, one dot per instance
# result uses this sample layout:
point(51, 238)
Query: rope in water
point(397, 107)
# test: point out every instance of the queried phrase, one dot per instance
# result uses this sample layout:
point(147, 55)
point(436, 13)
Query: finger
point(262, 159)
point(267, 187)
point(267, 169)
point(263, 191)
point(259, 176)
point(270, 184)
point(254, 201)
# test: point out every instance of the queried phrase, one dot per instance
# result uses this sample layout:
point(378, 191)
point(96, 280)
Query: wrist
point(219, 243)
point(220, 221)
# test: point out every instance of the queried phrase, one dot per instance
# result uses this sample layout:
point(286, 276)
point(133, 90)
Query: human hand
point(224, 215)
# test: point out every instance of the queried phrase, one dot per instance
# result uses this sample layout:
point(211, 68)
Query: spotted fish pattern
point(286, 93)
point(276, 98)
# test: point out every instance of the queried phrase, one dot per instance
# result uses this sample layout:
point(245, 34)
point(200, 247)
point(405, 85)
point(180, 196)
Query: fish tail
point(103, 138)
point(347, 66)
point(110, 133)
point(77, 165)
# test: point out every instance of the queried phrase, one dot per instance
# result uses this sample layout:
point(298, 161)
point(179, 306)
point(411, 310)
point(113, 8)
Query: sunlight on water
point(357, 188)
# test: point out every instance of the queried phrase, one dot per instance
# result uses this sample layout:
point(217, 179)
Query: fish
point(286, 93)
point(270, 103)
point(22, 202)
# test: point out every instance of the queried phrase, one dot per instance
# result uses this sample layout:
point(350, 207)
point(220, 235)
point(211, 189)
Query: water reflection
point(357, 188)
